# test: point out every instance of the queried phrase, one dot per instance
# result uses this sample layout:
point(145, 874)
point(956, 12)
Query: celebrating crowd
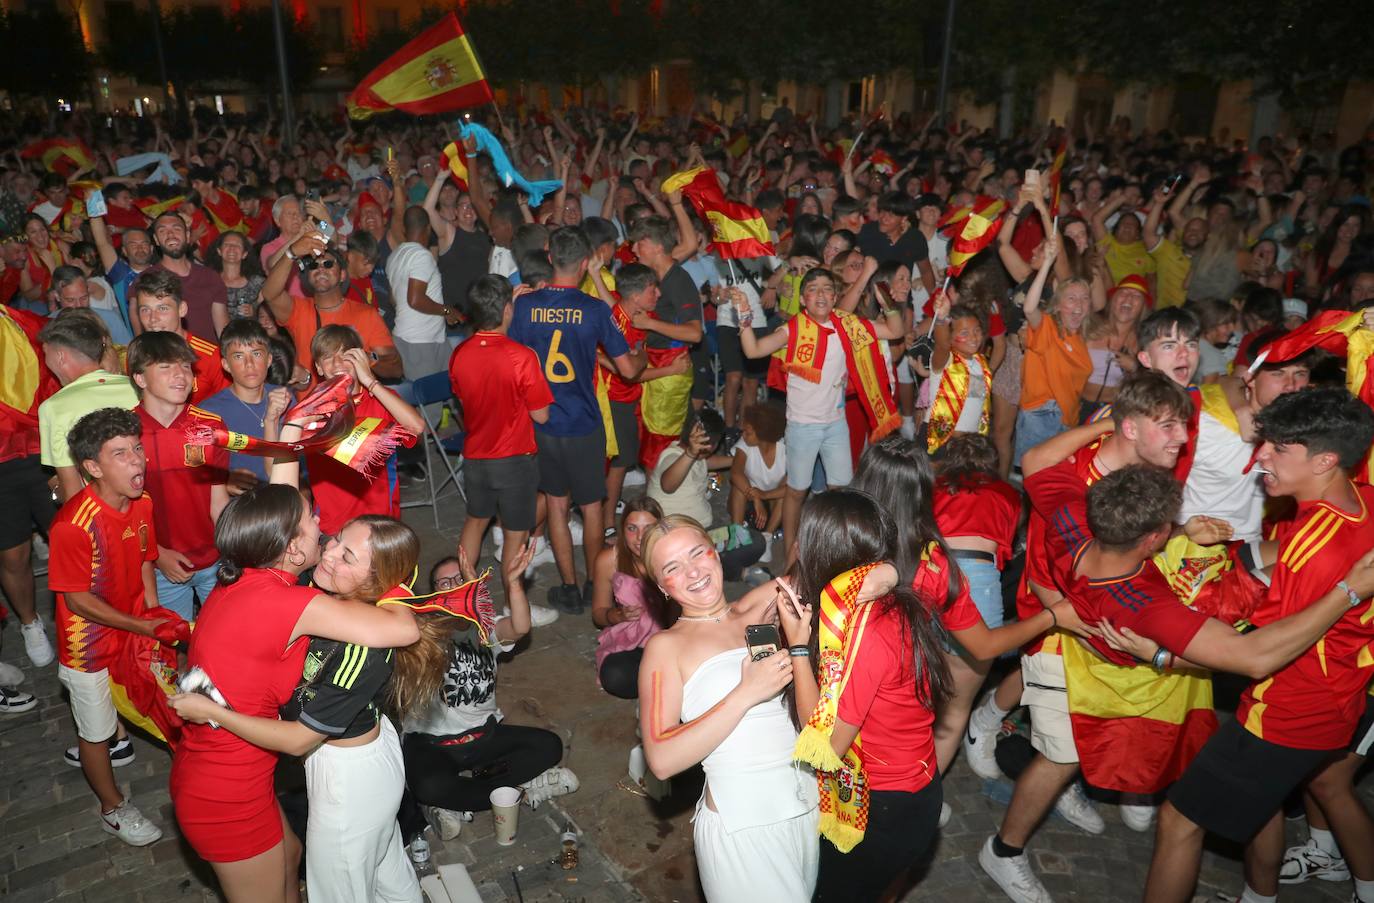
point(882, 442)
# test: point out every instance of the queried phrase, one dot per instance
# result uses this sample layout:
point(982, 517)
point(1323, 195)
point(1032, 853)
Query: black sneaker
point(587, 594)
point(730, 437)
point(566, 599)
point(13, 702)
point(121, 753)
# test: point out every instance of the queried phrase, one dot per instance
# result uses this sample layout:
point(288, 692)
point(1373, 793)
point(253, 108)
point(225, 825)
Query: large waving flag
point(1339, 332)
point(434, 73)
point(64, 155)
point(978, 227)
point(737, 230)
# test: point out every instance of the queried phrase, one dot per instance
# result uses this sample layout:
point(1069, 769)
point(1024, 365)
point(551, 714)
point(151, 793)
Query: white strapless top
point(751, 775)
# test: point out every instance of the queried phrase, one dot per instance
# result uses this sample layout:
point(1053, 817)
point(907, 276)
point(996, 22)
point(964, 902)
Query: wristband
point(1159, 657)
point(1053, 617)
point(1354, 597)
point(289, 255)
point(799, 651)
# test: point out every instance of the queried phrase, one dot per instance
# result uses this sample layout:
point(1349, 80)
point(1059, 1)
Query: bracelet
point(289, 255)
point(370, 386)
point(799, 651)
point(1053, 617)
point(1158, 660)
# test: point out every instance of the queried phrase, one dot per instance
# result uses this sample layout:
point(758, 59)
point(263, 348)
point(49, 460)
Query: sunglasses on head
point(327, 262)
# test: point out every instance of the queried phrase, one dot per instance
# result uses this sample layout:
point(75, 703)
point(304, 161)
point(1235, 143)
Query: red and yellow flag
point(978, 228)
point(1057, 174)
point(455, 160)
point(434, 73)
point(63, 155)
point(737, 230)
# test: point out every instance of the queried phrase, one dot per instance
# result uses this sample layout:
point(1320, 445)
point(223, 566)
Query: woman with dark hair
point(894, 676)
point(899, 475)
point(1334, 246)
point(241, 272)
point(248, 643)
point(759, 468)
point(625, 603)
point(464, 245)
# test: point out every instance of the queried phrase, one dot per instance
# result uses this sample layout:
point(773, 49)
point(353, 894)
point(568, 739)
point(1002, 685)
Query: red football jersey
point(179, 480)
point(342, 493)
point(498, 381)
point(985, 507)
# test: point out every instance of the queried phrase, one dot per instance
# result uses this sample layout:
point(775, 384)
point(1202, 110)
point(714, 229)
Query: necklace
point(716, 618)
point(262, 421)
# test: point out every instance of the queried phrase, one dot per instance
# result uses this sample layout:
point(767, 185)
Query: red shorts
point(220, 826)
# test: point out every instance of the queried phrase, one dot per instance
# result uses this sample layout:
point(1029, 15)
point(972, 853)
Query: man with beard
point(323, 303)
point(207, 304)
point(1173, 256)
point(121, 272)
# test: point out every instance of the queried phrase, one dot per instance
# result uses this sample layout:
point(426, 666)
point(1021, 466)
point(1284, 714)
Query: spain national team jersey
point(100, 550)
point(180, 480)
point(1317, 699)
point(565, 327)
point(209, 375)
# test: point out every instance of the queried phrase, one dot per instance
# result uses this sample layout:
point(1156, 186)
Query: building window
point(331, 26)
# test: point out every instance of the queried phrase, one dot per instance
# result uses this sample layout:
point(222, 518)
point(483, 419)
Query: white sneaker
point(15, 702)
point(129, 825)
point(447, 822)
point(946, 813)
point(980, 750)
point(1076, 809)
point(40, 547)
point(1013, 875)
point(36, 643)
point(1137, 816)
point(575, 529)
point(540, 616)
point(1307, 861)
point(635, 477)
point(554, 782)
point(10, 676)
point(121, 753)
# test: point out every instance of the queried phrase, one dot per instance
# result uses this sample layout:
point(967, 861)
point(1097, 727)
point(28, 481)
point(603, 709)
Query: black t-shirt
point(678, 302)
point(342, 689)
point(462, 264)
point(910, 249)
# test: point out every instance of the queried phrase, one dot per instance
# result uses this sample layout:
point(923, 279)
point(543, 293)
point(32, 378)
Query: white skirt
point(773, 863)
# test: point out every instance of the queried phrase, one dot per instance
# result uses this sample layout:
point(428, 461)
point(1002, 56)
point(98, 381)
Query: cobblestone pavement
point(632, 848)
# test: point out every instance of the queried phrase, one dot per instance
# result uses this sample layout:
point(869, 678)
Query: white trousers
point(353, 849)
point(774, 863)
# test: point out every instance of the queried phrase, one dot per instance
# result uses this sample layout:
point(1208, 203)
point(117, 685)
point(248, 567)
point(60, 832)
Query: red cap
point(1138, 283)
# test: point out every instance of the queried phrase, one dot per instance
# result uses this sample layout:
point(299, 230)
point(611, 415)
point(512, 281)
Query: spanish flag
point(737, 230)
point(455, 160)
point(61, 155)
point(434, 73)
point(978, 228)
point(1338, 332)
point(1057, 173)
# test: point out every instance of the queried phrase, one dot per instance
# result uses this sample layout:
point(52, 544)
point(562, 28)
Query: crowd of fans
point(1114, 409)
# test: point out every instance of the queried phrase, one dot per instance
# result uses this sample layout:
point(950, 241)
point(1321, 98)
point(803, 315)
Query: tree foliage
point(43, 54)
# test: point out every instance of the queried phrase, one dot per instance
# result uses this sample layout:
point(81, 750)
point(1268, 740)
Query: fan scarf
point(843, 782)
point(950, 398)
point(470, 602)
point(805, 355)
point(363, 445)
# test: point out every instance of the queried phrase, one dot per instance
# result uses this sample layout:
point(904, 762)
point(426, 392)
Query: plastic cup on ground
point(505, 809)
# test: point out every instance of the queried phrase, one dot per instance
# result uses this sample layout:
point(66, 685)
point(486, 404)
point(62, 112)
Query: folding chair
point(432, 395)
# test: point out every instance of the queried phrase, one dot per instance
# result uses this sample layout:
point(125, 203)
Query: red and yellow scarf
point(842, 779)
point(805, 355)
point(951, 396)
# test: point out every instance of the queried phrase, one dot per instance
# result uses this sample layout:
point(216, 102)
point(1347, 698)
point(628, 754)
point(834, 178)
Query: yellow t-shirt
point(588, 287)
point(91, 392)
point(1126, 260)
point(1171, 272)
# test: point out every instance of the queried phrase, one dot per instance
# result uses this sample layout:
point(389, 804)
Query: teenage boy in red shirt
point(101, 568)
point(342, 493)
point(159, 307)
point(1299, 719)
point(494, 379)
point(186, 482)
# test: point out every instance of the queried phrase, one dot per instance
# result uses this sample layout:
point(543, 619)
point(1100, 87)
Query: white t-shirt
point(937, 249)
point(690, 497)
point(1217, 484)
point(737, 273)
point(357, 172)
point(821, 402)
point(502, 262)
point(102, 296)
point(756, 469)
point(468, 695)
point(412, 260)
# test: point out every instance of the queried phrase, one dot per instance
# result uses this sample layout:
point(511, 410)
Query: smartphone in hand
point(763, 640)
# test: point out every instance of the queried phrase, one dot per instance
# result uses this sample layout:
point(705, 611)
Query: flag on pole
point(1057, 173)
point(434, 73)
point(978, 228)
point(61, 155)
point(737, 230)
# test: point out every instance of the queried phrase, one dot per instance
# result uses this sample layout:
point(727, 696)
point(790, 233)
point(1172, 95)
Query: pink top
point(627, 591)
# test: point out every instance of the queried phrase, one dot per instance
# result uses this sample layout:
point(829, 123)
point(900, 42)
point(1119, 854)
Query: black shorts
point(573, 466)
point(506, 488)
point(25, 499)
point(625, 422)
point(1362, 744)
point(703, 380)
point(732, 359)
point(1238, 781)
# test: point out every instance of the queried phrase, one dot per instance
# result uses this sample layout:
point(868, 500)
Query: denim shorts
point(1037, 425)
point(805, 442)
point(985, 587)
